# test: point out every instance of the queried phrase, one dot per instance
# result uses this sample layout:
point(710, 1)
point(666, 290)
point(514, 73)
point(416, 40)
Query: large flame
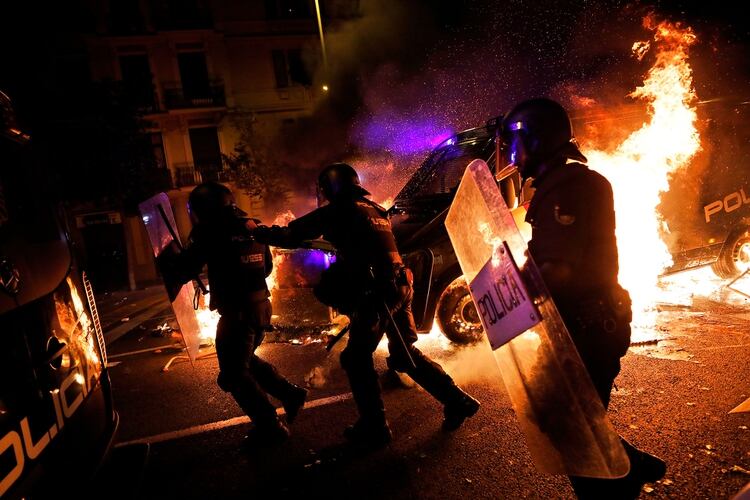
point(640, 167)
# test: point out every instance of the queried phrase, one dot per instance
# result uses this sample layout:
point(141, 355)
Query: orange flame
point(639, 168)
point(281, 219)
point(207, 320)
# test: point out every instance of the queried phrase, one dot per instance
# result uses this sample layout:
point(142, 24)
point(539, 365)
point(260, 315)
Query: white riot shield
point(156, 213)
point(558, 409)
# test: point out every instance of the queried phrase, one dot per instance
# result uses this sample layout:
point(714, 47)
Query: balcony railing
point(185, 174)
point(177, 97)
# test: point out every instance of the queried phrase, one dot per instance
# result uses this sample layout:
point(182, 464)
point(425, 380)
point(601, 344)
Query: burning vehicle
point(57, 418)
point(706, 220)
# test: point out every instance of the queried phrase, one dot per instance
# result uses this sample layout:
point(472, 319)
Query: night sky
point(403, 77)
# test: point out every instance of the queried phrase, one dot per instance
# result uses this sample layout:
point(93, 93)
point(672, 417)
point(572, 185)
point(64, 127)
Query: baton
point(179, 244)
point(395, 328)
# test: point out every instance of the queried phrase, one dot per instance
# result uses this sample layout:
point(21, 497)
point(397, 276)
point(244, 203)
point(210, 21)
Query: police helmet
point(537, 131)
point(340, 179)
point(208, 201)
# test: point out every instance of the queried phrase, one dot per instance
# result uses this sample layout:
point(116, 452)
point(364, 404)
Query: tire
point(457, 316)
point(734, 258)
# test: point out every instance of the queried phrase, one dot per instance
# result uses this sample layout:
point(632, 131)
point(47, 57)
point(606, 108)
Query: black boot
point(370, 435)
point(294, 402)
point(645, 467)
point(459, 410)
point(266, 435)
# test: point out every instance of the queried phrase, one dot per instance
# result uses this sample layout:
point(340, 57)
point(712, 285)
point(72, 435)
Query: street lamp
point(322, 44)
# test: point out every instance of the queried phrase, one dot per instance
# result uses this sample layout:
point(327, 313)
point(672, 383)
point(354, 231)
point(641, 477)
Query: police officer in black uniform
point(375, 290)
point(573, 242)
point(237, 270)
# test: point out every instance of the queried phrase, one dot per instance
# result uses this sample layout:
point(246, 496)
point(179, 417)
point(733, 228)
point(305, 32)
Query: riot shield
point(162, 229)
point(743, 407)
point(563, 419)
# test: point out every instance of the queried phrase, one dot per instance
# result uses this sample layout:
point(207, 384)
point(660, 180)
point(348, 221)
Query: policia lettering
point(65, 400)
point(730, 203)
point(506, 297)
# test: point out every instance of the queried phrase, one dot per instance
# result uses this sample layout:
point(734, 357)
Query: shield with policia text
point(563, 419)
point(156, 213)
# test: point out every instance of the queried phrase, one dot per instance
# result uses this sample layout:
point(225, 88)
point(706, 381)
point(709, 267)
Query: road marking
point(150, 349)
point(712, 348)
point(214, 426)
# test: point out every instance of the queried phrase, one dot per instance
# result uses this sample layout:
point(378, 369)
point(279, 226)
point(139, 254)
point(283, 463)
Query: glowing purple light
point(316, 259)
point(400, 135)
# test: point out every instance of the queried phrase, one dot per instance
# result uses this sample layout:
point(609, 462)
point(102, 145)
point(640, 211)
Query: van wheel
point(457, 316)
point(734, 258)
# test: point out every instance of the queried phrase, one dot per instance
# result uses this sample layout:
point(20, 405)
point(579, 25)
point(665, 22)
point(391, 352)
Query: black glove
point(263, 234)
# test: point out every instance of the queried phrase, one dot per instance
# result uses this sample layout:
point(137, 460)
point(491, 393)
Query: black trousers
point(601, 353)
point(243, 374)
point(369, 322)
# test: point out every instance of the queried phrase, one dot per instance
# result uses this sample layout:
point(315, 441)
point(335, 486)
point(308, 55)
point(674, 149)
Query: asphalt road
point(673, 399)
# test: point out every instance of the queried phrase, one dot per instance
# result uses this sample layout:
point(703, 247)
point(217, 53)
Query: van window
point(443, 169)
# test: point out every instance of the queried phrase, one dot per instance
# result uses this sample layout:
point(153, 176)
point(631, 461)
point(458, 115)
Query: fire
point(281, 219)
point(639, 168)
point(207, 320)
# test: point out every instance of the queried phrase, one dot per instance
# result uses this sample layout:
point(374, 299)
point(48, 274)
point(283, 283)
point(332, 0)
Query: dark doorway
point(204, 142)
point(106, 258)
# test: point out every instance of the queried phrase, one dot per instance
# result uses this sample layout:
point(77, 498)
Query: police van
point(706, 211)
point(57, 419)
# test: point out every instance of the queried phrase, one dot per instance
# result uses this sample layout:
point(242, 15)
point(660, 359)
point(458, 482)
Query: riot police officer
point(374, 288)
point(221, 238)
point(573, 243)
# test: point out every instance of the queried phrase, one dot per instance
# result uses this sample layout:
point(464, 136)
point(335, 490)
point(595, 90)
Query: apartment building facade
point(199, 70)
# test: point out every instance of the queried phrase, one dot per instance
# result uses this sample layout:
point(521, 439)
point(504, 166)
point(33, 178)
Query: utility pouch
point(603, 320)
point(335, 289)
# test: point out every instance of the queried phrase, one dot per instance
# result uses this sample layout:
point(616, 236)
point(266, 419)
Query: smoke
point(474, 364)
point(404, 75)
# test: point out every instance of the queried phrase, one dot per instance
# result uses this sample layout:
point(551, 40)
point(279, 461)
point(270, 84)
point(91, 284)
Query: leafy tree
point(251, 167)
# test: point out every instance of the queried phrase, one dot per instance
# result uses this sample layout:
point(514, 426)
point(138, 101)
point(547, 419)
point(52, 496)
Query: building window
point(157, 146)
point(288, 9)
point(279, 68)
point(204, 143)
point(194, 75)
point(290, 69)
point(137, 80)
